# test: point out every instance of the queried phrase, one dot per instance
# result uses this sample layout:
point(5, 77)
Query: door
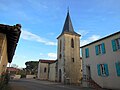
point(60, 74)
point(88, 72)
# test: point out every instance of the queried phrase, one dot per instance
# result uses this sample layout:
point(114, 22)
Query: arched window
point(45, 70)
point(72, 43)
point(73, 60)
point(60, 56)
point(60, 45)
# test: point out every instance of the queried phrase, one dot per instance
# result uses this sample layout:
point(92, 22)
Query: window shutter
point(96, 50)
point(103, 48)
point(114, 45)
point(106, 69)
point(118, 68)
point(87, 52)
point(98, 68)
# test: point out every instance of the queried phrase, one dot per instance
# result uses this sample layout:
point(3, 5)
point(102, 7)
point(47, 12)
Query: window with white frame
point(116, 44)
point(103, 70)
point(100, 49)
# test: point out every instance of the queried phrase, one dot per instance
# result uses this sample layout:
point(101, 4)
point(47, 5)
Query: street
point(32, 84)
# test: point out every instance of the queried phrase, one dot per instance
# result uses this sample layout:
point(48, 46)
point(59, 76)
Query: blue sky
point(42, 21)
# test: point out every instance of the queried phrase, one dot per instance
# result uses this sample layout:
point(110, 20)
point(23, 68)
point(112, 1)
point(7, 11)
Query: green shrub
point(4, 79)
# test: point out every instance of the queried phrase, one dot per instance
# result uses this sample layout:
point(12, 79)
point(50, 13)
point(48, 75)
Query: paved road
point(32, 84)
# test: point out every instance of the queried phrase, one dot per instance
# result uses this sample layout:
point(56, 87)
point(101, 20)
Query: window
point(73, 60)
point(102, 70)
point(60, 45)
point(45, 69)
point(72, 43)
point(87, 52)
point(117, 64)
point(116, 44)
point(100, 49)
point(60, 56)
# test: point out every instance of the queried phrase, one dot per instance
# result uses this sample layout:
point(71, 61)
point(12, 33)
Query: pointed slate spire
point(68, 27)
point(68, 24)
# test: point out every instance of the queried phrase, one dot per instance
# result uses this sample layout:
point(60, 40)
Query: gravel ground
point(16, 87)
point(32, 84)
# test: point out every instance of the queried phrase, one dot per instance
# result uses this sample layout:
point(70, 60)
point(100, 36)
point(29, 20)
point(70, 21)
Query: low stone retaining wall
point(31, 76)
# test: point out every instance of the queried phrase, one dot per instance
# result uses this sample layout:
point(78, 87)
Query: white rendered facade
point(101, 62)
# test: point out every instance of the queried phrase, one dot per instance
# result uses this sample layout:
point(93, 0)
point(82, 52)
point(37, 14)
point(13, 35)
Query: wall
point(41, 74)
point(60, 60)
point(30, 76)
point(3, 53)
point(52, 72)
point(71, 71)
point(17, 77)
point(110, 57)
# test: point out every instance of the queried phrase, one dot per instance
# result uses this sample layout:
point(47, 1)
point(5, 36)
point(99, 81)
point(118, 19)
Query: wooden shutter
point(96, 50)
point(87, 52)
point(98, 68)
point(106, 69)
point(103, 48)
point(117, 64)
point(114, 45)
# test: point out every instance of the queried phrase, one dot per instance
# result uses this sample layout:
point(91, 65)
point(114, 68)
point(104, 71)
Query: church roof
point(47, 61)
point(68, 27)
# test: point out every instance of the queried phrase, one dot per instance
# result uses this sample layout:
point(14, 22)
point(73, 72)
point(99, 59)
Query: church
point(68, 54)
point(69, 64)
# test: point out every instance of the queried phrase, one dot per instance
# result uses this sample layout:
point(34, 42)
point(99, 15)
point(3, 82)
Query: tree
point(31, 67)
point(14, 65)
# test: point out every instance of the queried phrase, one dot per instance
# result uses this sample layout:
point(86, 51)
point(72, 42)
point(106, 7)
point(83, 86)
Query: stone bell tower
point(68, 54)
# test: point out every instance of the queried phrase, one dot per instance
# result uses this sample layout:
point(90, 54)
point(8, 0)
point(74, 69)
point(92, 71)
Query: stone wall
point(3, 53)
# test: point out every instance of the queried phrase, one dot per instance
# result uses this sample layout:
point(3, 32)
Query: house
point(45, 68)
point(9, 36)
point(13, 70)
point(101, 62)
point(68, 54)
point(53, 71)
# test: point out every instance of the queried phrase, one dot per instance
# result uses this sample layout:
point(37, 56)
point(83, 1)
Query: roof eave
point(69, 34)
point(101, 39)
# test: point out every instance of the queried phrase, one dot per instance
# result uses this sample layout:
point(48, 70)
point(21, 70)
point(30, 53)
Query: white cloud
point(50, 43)
point(50, 34)
point(82, 32)
point(89, 39)
point(52, 56)
point(33, 37)
point(41, 54)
